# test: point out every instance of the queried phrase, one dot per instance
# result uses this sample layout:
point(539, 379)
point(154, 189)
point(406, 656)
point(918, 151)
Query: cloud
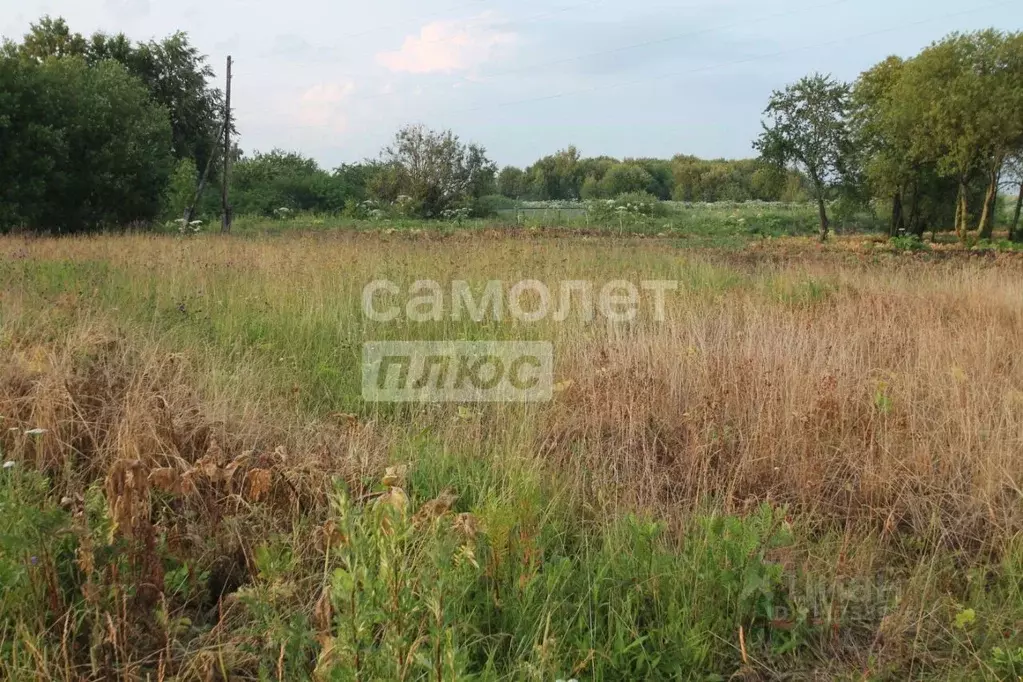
point(449, 46)
point(323, 106)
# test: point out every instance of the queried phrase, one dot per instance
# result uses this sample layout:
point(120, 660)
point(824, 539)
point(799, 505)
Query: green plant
point(180, 189)
point(910, 243)
point(1007, 664)
point(33, 548)
point(397, 590)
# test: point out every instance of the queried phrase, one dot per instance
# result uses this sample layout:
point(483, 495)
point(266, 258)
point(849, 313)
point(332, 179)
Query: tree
point(511, 182)
point(557, 177)
point(1014, 169)
point(264, 183)
point(967, 92)
point(178, 77)
point(480, 172)
point(807, 127)
point(353, 180)
point(624, 178)
point(435, 170)
point(181, 189)
point(83, 147)
point(52, 38)
point(661, 179)
point(1001, 123)
point(770, 183)
point(883, 137)
point(591, 189)
point(176, 74)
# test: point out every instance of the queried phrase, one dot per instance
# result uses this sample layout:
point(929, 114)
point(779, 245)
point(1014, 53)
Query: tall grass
point(810, 468)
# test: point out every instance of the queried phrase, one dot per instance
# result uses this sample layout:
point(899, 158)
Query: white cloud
point(448, 46)
point(323, 106)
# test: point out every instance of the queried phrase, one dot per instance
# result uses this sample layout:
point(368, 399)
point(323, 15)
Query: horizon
point(639, 80)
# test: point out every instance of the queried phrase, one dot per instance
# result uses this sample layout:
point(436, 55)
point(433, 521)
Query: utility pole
point(225, 225)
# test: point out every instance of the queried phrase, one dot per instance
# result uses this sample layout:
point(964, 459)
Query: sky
point(524, 78)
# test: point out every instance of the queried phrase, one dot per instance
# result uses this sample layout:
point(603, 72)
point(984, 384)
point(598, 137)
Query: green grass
point(541, 568)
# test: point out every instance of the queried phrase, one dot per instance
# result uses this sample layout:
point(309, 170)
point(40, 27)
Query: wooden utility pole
point(225, 225)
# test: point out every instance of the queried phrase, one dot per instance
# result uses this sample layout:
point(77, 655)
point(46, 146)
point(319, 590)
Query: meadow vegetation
point(809, 470)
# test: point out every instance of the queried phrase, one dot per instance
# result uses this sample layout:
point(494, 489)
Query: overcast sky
point(522, 77)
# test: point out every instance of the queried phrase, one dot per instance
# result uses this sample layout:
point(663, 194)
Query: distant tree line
point(430, 174)
point(567, 176)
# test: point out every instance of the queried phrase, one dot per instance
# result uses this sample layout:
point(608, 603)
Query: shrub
point(181, 189)
point(909, 243)
point(490, 205)
point(266, 183)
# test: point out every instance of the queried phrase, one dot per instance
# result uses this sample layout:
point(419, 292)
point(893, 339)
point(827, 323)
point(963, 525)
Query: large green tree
point(559, 176)
point(966, 92)
point(511, 182)
point(882, 128)
point(807, 127)
point(435, 170)
point(83, 147)
point(176, 74)
point(625, 178)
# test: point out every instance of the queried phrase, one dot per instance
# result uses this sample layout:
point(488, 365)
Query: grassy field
point(812, 468)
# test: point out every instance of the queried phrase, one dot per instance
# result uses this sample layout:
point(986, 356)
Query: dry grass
point(207, 386)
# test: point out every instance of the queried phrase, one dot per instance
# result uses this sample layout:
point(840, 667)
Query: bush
point(490, 205)
point(181, 189)
point(909, 243)
point(266, 183)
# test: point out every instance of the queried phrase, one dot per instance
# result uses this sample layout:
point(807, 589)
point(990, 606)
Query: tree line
point(567, 175)
point(101, 131)
point(935, 137)
point(426, 173)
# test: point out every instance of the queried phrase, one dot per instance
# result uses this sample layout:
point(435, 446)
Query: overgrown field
point(812, 468)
